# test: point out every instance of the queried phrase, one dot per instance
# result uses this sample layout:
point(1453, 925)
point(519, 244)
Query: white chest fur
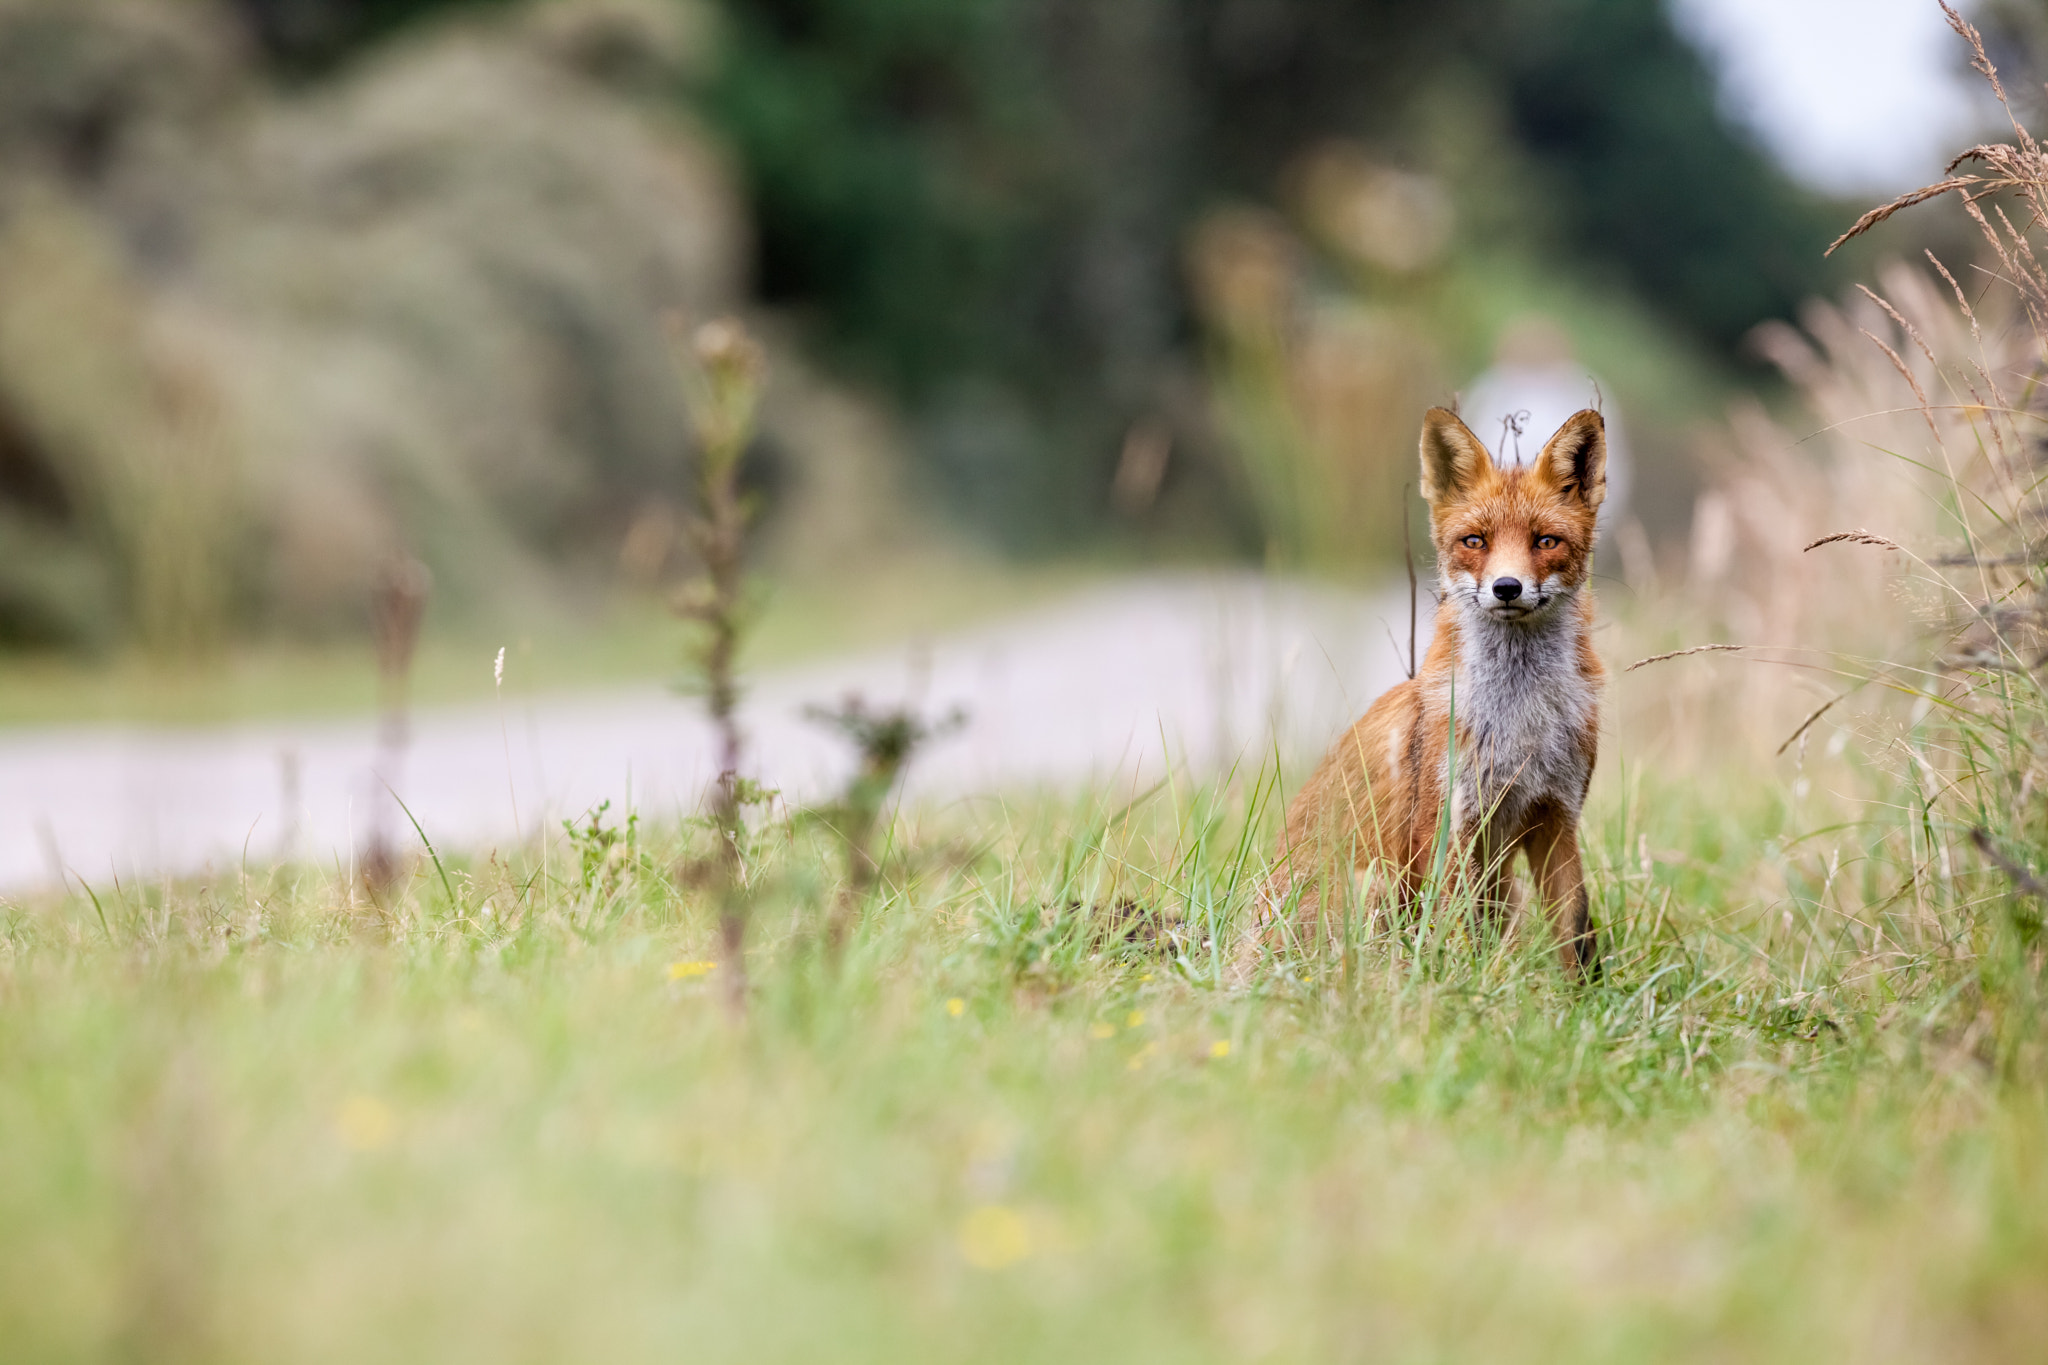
point(1523, 704)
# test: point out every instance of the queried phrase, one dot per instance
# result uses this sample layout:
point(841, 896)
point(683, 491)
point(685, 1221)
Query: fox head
point(1513, 544)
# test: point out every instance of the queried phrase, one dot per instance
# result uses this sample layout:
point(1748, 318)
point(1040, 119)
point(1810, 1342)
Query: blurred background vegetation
point(289, 287)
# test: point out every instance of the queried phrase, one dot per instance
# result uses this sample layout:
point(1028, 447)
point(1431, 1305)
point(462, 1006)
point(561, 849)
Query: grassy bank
point(1041, 1109)
point(502, 1117)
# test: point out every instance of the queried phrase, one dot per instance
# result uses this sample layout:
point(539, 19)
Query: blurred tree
point(1614, 111)
point(896, 150)
point(982, 203)
point(309, 34)
point(1002, 186)
point(1622, 112)
point(2016, 36)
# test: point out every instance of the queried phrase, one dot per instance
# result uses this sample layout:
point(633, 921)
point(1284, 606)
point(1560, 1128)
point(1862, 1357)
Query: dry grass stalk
point(397, 610)
point(1855, 538)
point(723, 371)
point(1681, 653)
point(1930, 423)
point(1808, 723)
point(2018, 167)
point(1904, 201)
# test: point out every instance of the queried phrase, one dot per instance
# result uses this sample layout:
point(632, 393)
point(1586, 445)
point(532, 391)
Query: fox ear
point(1575, 460)
point(1453, 460)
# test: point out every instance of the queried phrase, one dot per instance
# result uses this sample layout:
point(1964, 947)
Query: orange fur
point(1513, 659)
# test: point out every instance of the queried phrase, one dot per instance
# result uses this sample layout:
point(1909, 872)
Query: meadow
point(502, 1115)
point(1010, 1093)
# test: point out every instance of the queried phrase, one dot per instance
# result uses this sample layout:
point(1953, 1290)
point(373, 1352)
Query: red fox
point(1511, 672)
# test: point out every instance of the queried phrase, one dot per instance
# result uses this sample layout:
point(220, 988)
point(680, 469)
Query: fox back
point(1500, 723)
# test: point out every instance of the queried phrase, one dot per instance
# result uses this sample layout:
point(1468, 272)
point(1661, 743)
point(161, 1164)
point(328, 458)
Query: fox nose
point(1507, 589)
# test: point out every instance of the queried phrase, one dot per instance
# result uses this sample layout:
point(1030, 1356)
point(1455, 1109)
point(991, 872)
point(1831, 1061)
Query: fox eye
point(1475, 542)
point(1548, 542)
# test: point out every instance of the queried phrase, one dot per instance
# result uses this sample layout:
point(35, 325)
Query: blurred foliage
point(986, 202)
point(1004, 188)
point(919, 164)
point(2016, 38)
point(311, 35)
point(1644, 173)
point(152, 465)
point(982, 204)
point(253, 343)
point(339, 276)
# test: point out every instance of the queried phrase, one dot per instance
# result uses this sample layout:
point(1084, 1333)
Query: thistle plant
point(886, 740)
point(723, 370)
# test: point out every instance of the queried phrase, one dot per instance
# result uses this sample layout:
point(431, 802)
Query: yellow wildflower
point(956, 1007)
point(994, 1236)
point(1102, 1030)
point(365, 1123)
point(690, 971)
point(1134, 1019)
point(1220, 1048)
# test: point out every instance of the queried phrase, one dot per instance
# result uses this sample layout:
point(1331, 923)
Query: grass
point(256, 1121)
point(1035, 1112)
point(626, 639)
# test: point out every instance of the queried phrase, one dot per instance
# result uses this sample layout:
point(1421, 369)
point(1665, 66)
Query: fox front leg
point(1561, 884)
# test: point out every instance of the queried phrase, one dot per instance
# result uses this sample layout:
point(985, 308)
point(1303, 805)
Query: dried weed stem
point(723, 371)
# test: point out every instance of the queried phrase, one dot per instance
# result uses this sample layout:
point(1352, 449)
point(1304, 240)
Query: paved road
point(1111, 684)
